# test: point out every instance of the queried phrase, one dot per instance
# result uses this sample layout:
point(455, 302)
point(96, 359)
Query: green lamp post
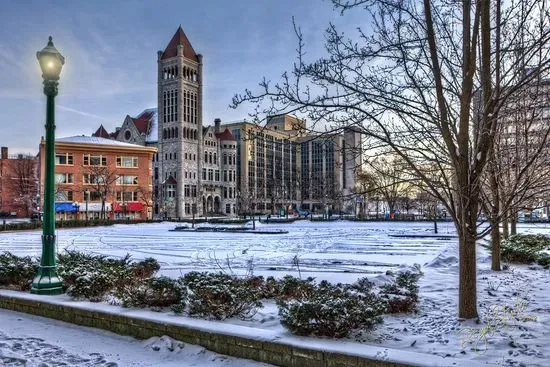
point(47, 281)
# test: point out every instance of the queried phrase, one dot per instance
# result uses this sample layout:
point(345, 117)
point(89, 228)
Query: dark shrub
point(154, 292)
point(331, 310)
point(91, 276)
point(524, 248)
point(401, 296)
point(220, 296)
point(291, 287)
point(146, 268)
point(17, 271)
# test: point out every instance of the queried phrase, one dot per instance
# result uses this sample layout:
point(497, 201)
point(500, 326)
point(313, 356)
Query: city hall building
point(215, 169)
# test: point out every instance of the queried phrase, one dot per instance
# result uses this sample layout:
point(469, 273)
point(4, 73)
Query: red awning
point(135, 207)
point(130, 207)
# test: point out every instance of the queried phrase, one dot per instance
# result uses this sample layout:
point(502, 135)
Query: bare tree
point(389, 180)
point(408, 84)
point(518, 171)
point(146, 197)
point(102, 179)
point(23, 182)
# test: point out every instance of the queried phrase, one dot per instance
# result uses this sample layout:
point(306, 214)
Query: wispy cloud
point(82, 113)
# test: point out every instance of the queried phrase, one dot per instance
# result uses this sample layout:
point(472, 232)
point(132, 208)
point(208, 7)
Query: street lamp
point(47, 281)
point(87, 193)
point(76, 206)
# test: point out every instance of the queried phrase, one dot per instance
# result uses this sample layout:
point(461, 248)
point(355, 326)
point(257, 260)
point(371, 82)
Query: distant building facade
point(280, 166)
point(235, 167)
point(18, 185)
point(100, 177)
point(194, 169)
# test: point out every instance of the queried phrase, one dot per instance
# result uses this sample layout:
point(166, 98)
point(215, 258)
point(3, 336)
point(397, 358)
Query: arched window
point(224, 158)
point(195, 134)
point(205, 157)
point(164, 134)
point(215, 159)
point(177, 133)
point(210, 157)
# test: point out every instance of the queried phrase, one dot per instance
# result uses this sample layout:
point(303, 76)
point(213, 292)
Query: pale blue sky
point(110, 49)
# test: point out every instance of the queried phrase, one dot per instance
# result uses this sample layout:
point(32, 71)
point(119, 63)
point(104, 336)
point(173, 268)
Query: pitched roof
point(152, 134)
point(172, 48)
point(101, 133)
point(114, 134)
point(82, 139)
point(226, 135)
point(142, 122)
point(171, 181)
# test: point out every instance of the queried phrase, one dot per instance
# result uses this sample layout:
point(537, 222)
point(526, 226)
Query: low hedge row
point(305, 307)
point(527, 249)
point(19, 226)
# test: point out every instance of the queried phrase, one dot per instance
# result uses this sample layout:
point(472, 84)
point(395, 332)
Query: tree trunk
point(495, 246)
point(513, 221)
point(495, 211)
point(505, 227)
point(467, 292)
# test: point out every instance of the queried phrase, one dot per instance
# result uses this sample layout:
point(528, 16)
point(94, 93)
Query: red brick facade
point(18, 185)
point(82, 163)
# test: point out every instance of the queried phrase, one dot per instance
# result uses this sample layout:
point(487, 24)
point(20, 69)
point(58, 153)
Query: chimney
point(4, 153)
point(217, 123)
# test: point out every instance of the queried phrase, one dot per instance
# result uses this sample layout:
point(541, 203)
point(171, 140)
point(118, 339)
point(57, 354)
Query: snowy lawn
point(519, 298)
point(32, 341)
point(336, 251)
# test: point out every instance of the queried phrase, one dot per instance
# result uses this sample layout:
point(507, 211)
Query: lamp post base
point(47, 282)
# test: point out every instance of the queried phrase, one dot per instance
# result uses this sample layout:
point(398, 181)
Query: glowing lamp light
point(51, 61)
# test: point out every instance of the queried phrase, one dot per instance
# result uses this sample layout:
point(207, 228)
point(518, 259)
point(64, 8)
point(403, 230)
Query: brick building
point(116, 178)
point(18, 184)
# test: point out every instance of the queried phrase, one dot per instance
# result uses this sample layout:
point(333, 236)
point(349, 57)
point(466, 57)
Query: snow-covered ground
point(337, 251)
point(32, 341)
point(343, 252)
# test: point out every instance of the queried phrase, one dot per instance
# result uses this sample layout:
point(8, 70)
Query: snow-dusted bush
point(544, 260)
point(524, 248)
point(145, 269)
point(17, 271)
point(291, 287)
point(220, 296)
point(153, 292)
point(92, 277)
point(332, 310)
point(401, 296)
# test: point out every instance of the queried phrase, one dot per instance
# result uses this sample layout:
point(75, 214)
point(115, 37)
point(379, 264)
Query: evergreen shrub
point(524, 248)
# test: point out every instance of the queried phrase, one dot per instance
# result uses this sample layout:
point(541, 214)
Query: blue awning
point(64, 207)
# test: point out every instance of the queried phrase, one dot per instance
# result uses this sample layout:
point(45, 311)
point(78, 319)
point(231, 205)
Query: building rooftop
point(179, 38)
point(83, 139)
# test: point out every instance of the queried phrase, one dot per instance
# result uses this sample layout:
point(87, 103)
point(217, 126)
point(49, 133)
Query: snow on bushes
point(220, 296)
point(332, 310)
point(526, 248)
point(16, 271)
point(401, 296)
point(305, 307)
